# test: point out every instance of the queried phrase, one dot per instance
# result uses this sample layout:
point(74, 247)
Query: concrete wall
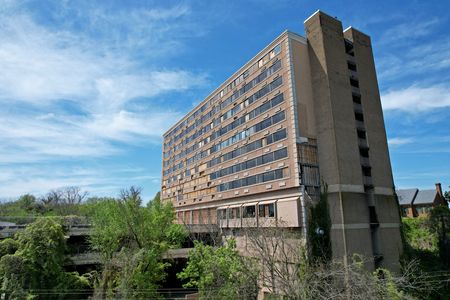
point(373, 113)
point(365, 217)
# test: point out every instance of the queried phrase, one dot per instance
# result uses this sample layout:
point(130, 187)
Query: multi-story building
point(301, 113)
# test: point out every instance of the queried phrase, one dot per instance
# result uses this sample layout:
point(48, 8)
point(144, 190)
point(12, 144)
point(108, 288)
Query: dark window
point(367, 171)
point(364, 152)
point(266, 210)
point(349, 48)
point(359, 117)
point(249, 211)
point(282, 153)
point(277, 100)
point(278, 117)
point(356, 98)
point(279, 135)
point(278, 173)
point(361, 134)
point(351, 66)
point(267, 158)
point(268, 176)
point(251, 180)
point(234, 213)
point(354, 82)
point(222, 214)
point(251, 163)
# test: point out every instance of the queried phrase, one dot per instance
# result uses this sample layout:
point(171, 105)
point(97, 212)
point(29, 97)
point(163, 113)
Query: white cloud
point(415, 99)
point(46, 67)
point(39, 180)
point(408, 31)
point(399, 141)
point(424, 58)
point(68, 90)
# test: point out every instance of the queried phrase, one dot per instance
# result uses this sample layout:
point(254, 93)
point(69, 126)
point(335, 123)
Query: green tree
point(42, 245)
point(132, 241)
point(220, 273)
point(418, 234)
point(157, 198)
point(440, 224)
point(21, 210)
point(13, 272)
point(8, 246)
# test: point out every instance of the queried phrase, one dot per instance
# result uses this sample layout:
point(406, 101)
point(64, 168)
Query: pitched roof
point(405, 197)
point(425, 197)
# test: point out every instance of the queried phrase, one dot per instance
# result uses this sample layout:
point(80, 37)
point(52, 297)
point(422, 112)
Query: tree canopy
point(132, 241)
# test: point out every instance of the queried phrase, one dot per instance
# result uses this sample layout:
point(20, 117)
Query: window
point(266, 210)
point(259, 178)
point(354, 83)
point(272, 138)
point(349, 47)
point(251, 180)
point(359, 117)
point(235, 213)
point(277, 49)
point(249, 211)
point(267, 158)
point(260, 63)
point(364, 152)
point(222, 214)
point(405, 212)
point(367, 171)
point(279, 154)
point(356, 98)
point(361, 134)
point(351, 66)
point(269, 176)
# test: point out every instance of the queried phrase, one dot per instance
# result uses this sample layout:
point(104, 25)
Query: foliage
point(36, 267)
point(425, 244)
point(8, 246)
point(319, 227)
point(61, 202)
point(42, 245)
point(21, 210)
point(220, 273)
point(440, 225)
point(418, 234)
point(132, 240)
point(72, 286)
point(13, 274)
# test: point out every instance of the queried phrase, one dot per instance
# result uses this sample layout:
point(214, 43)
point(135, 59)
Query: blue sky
point(88, 87)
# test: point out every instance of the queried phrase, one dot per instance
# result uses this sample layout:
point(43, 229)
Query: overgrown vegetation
point(319, 227)
point(221, 273)
point(428, 244)
point(132, 240)
point(32, 264)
